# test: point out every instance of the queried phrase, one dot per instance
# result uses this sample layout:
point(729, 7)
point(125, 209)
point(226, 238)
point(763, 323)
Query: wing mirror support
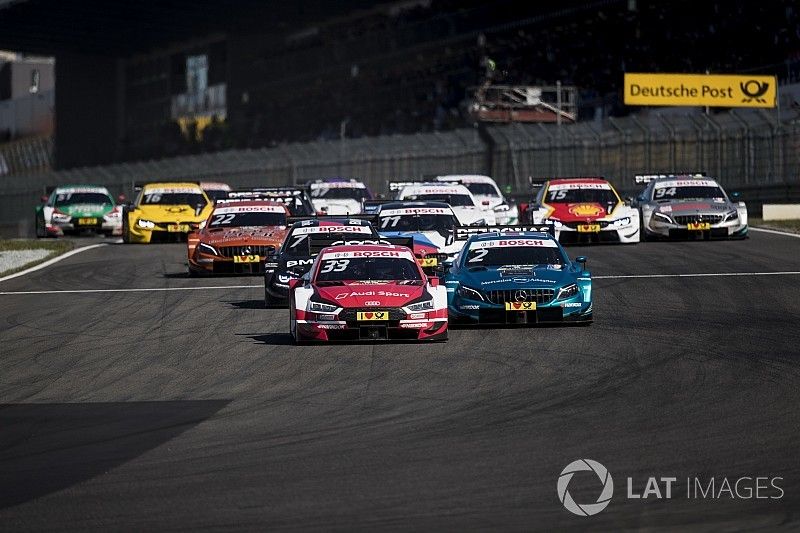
point(294, 283)
point(582, 260)
point(434, 281)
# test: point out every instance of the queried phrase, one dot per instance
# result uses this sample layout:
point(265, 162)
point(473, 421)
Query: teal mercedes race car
point(516, 275)
point(75, 209)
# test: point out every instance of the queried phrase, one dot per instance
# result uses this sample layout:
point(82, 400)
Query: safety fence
point(751, 150)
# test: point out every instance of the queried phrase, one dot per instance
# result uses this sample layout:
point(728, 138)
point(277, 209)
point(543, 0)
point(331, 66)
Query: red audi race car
point(367, 292)
point(237, 237)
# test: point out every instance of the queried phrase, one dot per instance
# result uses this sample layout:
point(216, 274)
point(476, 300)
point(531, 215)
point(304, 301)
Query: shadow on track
point(49, 447)
point(248, 304)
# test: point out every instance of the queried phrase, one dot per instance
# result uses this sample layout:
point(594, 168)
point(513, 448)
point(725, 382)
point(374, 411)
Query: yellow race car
point(165, 212)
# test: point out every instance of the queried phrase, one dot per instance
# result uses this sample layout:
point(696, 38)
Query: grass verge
point(56, 247)
point(784, 225)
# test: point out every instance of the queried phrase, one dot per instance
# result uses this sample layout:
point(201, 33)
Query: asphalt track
point(190, 409)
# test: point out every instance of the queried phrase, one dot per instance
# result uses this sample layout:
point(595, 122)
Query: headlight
point(567, 292)
point(207, 248)
point(61, 217)
point(501, 207)
point(472, 294)
point(621, 222)
point(663, 218)
point(146, 224)
point(733, 215)
point(319, 307)
point(427, 305)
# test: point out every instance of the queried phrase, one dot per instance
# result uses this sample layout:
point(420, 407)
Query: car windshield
point(173, 198)
point(340, 193)
point(484, 189)
point(417, 223)
point(232, 220)
point(574, 196)
point(368, 269)
point(298, 243)
point(518, 255)
point(216, 194)
point(684, 193)
point(74, 198)
point(454, 200)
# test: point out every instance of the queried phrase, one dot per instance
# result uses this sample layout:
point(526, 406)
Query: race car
point(486, 191)
point(506, 276)
point(367, 292)
point(465, 206)
point(585, 210)
point(77, 208)
point(689, 206)
point(303, 242)
point(338, 196)
point(295, 198)
point(237, 238)
point(429, 224)
point(165, 212)
point(214, 190)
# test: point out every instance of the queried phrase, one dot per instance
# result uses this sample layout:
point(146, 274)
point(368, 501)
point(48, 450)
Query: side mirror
point(582, 260)
point(434, 281)
point(735, 195)
point(294, 283)
point(121, 198)
point(44, 199)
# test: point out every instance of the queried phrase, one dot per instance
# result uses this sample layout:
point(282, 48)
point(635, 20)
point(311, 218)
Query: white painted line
point(708, 275)
point(52, 261)
point(777, 232)
point(154, 289)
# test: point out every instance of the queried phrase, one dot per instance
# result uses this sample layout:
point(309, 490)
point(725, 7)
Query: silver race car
point(682, 206)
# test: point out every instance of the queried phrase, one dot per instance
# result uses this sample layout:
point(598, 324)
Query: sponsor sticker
point(366, 230)
point(578, 185)
point(415, 211)
point(173, 190)
point(514, 243)
point(685, 183)
point(372, 315)
point(588, 228)
point(520, 306)
point(235, 209)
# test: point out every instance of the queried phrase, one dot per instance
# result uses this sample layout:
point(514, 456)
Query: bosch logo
point(585, 509)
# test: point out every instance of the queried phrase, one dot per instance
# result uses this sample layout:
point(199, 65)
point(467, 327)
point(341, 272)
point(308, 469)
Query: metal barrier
point(745, 149)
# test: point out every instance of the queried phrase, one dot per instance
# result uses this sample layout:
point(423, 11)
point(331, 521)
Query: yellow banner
point(714, 90)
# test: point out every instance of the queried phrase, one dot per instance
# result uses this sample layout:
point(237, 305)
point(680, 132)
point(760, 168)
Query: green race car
point(77, 208)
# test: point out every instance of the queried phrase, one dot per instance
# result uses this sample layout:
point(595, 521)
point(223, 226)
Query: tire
point(126, 238)
point(293, 323)
point(40, 232)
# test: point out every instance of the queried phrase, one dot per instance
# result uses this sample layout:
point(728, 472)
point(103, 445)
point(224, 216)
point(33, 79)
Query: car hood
point(517, 277)
point(687, 207)
point(360, 294)
point(86, 210)
point(171, 213)
point(428, 241)
point(340, 206)
point(268, 235)
point(579, 212)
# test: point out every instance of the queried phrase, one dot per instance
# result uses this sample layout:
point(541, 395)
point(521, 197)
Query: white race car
point(486, 191)
point(466, 207)
point(337, 196)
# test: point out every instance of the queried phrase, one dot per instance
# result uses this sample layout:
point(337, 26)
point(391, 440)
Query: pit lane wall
point(756, 152)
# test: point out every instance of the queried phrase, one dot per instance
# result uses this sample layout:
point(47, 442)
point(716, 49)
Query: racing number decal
point(297, 240)
point(335, 265)
point(665, 191)
point(479, 255)
point(223, 219)
point(558, 195)
point(390, 222)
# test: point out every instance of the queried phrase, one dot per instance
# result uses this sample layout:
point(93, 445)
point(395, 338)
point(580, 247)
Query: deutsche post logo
point(754, 90)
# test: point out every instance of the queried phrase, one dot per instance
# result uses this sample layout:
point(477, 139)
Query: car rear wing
point(317, 243)
point(644, 179)
point(397, 186)
point(370, 207)
point(463, 233)
point(344, 218)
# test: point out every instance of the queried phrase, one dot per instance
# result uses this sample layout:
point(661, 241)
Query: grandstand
point(192, 77)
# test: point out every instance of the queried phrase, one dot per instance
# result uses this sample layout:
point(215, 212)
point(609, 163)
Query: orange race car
point(237, 237)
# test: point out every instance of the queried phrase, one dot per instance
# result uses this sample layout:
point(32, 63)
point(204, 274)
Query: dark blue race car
point(503, 276)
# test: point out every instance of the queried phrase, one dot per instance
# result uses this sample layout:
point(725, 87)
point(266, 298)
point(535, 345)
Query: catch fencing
point(749, 150)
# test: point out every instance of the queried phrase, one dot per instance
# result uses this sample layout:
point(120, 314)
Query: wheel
point(192, 273)
point(293, 322)
point(126, 238)
point(269, 301)
point(39, 225)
